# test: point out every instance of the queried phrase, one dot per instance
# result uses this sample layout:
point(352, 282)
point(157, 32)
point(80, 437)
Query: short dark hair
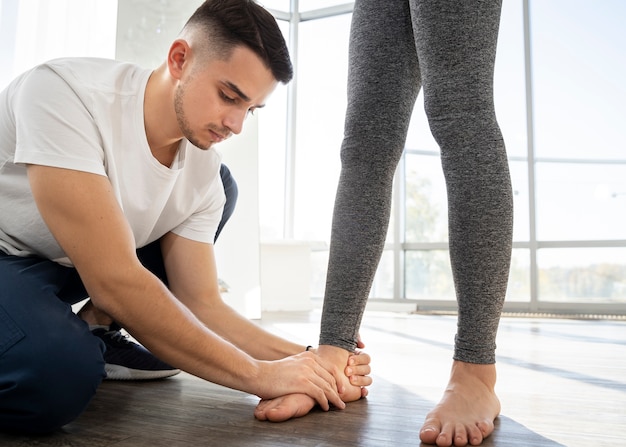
point(229, 23)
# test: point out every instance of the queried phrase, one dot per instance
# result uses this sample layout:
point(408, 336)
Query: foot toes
point(429, 432)
point(476, 434)
point(460, 435)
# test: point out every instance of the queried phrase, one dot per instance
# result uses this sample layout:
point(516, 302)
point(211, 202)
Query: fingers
point(325, 395)
point(359, 342)
point(358, 369)
point(326, 384)
point(356, 380)
point(359, 358)
point(328, 364)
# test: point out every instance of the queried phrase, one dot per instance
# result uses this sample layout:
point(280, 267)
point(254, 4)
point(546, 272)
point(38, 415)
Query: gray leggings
point(449, 48)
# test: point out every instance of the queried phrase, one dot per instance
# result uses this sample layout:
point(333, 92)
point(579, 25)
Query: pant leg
point(231, 191)
point(383, 83)
point(456, 46)
point(50, 364)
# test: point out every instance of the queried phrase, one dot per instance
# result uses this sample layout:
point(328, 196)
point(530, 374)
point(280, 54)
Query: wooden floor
point(561, 382)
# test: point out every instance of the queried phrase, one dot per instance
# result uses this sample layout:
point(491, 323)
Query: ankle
point(336, 356)
point(463, 371)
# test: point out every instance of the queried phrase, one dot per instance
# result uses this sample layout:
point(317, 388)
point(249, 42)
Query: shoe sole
point(117, 372)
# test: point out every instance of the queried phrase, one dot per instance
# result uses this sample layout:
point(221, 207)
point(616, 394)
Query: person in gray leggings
point(448, 47)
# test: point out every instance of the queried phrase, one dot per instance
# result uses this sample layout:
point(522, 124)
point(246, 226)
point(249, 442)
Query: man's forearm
point(243, 333)
point(148, 310)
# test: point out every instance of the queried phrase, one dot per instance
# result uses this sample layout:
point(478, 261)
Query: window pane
point(426, 212)
point(382, 286)
point(272, 143)
point(309, 5)
point(280, 5)
point(419, 136)
point(579, 69)
point(509, 82)
point(322, 77)
point(589, 275)
point(319, 266)
point(272, 147)
point(518, 288)
point(428, 275)
point(426, 202)
point(521, 219)
point(581, 201)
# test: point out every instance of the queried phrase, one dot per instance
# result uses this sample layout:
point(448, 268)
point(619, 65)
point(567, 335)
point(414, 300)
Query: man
point(109, 189)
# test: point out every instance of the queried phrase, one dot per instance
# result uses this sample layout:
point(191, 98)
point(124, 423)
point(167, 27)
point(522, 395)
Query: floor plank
point(561, 382)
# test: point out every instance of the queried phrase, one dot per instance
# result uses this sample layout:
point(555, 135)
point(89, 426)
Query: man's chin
point(204, 147)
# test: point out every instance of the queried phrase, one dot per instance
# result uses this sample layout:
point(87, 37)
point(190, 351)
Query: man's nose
point(234, 120)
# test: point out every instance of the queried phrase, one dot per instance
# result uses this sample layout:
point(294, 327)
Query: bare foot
point(297, 405)
point(92, 315)
point(467, 409)
point(284, 407)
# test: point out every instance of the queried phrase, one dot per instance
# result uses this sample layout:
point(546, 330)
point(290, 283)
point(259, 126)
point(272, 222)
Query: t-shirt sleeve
point(202, 225)
point(54, 126)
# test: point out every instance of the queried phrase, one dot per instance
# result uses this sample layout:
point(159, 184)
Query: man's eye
point(227, 98)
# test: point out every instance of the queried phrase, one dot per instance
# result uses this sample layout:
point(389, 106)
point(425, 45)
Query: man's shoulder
point(75, 64)
point(99, 73)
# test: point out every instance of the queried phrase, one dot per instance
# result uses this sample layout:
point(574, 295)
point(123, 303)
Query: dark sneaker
point(127, 360)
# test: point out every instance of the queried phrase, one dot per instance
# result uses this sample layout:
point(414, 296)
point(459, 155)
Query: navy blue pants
point(50, 363)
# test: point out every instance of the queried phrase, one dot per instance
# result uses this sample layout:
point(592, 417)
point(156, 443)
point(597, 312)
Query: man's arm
point(83, 215)
point(192, 277)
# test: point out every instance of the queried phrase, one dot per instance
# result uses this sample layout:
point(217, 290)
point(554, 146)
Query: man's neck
point(162, 131)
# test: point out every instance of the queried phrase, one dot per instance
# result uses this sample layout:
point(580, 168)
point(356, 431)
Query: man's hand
point(351, 386)
point(357, 370)
point(305, 373)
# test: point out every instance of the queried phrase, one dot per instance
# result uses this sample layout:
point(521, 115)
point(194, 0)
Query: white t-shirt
point(87, 114)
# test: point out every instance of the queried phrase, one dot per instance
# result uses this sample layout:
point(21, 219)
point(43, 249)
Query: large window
point(560, 102)
point(319, 123)
point(580, 151)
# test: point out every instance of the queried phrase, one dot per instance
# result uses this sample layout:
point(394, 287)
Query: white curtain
point(34, 31)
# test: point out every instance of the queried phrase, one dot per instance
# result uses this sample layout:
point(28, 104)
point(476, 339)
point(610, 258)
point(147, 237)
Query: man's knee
point(47, 383)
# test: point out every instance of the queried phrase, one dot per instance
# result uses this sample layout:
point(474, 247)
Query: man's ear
point(178, 57)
